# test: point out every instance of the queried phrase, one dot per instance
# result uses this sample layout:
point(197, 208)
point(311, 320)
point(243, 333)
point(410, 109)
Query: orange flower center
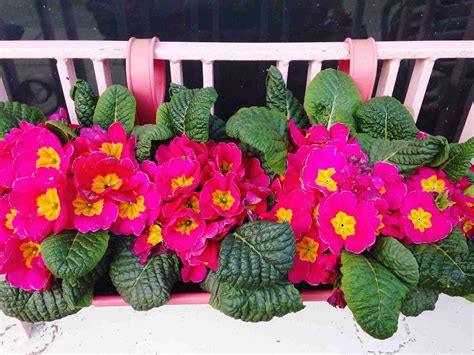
point(30, 251)
point(307, 249)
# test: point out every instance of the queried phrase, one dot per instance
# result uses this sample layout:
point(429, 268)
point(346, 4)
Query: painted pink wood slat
point(468, 129)
point(3, 91)
point(418, 84)
point(176, 70)
point(314, 67)
point(283, 67)
point(388, 77)
point(67, 75)
point(102, 74)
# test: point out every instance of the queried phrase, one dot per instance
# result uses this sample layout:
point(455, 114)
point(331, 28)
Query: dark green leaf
point(442, 202)
point(332, 97)
point(398, 259)
point(116, 104)
point(163, 116)
point(217, 129)
point(143, 286)
point(408, 155)
point(281, 99)
point(446, 266)
point(85, 101)
point(265, 130)
point(176, 88)
point(61, 130)
point(257, 254)
point(459, 161)
point(72, 254)
point(256, 305)
point(373, 294)
point(470, 297)
point(34, 307)
point(11, 113)
point(146, 135)
point(385, 117)
point(419, 300)
point(190, 110)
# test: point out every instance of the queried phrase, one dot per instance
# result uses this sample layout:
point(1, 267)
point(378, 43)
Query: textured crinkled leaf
point(146, 135)
point(257, 254)
point(281, 99)
point(459, 161)
point(446, 266)
point(398, 259)
point(365, 141)
point(72, 254)
point(408, 155)
point(217, 129)
point(143, 286)
point(34, 307)
point(419, 300)
point(257, 305)
point(11, 113)
point(332, 97)
point(373, 294)
point(61, 130)
point(470, 297)
point(116, 104)
point(264, 130)
point(85, 101)
point(163, 116)
point(442, 201)
point(385, 117)
point(176, 88)
point(190, 110)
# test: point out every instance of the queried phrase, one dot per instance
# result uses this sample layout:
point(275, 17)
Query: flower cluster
point(93, 182)
point(206, 189)
point(334, 200)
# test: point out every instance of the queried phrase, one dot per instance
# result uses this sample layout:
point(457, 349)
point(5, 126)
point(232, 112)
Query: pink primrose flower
point(177, 176)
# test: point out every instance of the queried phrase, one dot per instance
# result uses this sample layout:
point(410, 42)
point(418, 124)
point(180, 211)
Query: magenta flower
point(147, 241)
point(61, 115)
point(421, 219)
point(40, 205)
point(389, 184)
point(220, 196)
point(225, 158)
point(184, 148)
point(430, 180)
point(7, 213)
point(190, 201)
point(346, 223)
point(178, 176)
point(185, 231)
point(23, 265)
point(195, 268)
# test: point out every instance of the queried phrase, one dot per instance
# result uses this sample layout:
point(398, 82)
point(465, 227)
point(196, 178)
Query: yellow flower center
point(324, 179)
point(223, 199)
point(433, 184)
point(48, 158)
point(225, 167)
point(192, 203)
point(420, 218)
point(48, 204)
point(383, 190)
point(30, 251)
point(181, 181)
point(284, 215)
point(9, 217)
point(102, 183)
point(315, 213)
point(186, 226)
point(154, 235)
point(86, 208)
point(112, 149)
point(467, 226)
point(344, 225)
point(132, 210)
point(381, 225)
point(307, 249)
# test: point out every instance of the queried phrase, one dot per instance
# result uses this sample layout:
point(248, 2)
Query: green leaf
point(217, 129)
point(176, 88)
point(116, 104)
point(442, 202)
point(469, 191)
point(470, 297)
point(146, 135)
point(190, 110)
point(78, 292)
point(34, 306)
point(408, 155)
point(459, 161)
point(85, 101)
point(72, 254)
point(256, 305)
point(446, 266)
point(163, 116)
point(385, 117)
point(257, 254)
point(332, 97)
point(265, 130)
point(281, 99)
point(61, 130)
point(419, 300)
point(373, 294)
point(365, 141)
point(11, 113)
point(143, 286)
point(398, 259)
